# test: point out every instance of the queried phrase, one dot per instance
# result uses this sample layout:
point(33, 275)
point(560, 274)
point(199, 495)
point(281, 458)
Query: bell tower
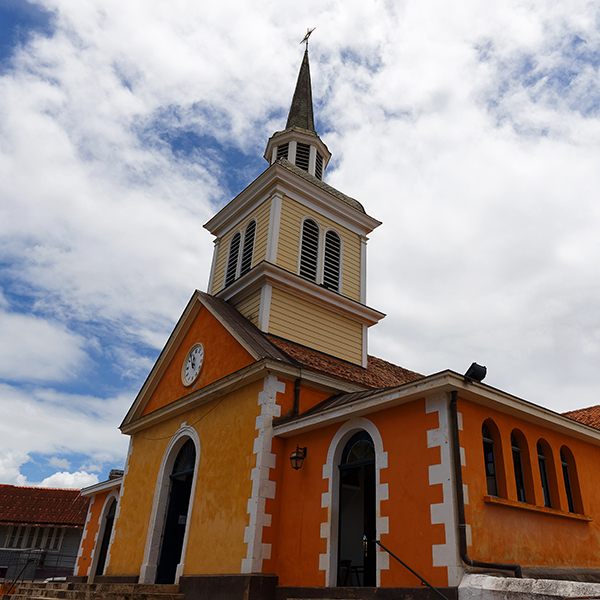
point(290, 250)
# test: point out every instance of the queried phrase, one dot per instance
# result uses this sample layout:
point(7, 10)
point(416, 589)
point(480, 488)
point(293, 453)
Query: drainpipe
point(296, 409)
point(460, 499)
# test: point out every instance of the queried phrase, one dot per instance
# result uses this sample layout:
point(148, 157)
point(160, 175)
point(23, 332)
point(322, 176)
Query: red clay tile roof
point(588, 416)
point(42, 506)
point(378, 374)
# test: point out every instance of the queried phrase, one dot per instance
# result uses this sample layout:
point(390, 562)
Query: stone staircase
point(93, 591)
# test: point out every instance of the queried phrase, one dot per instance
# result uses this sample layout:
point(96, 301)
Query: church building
point(272, 457)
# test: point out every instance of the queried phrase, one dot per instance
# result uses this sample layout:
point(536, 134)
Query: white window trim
point(238, 265)
point(100, 535)
point(330, 499)
point(50, 531)
point(161, 501)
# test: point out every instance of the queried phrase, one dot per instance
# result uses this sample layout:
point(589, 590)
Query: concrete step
point(93, 591)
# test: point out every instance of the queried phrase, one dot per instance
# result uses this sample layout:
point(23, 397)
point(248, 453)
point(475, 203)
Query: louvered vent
point(282, 151)
point(309, 251)
point(302, 156)
point(248, 249)
point(331, 264)
point(319, 167)
point(234, 252)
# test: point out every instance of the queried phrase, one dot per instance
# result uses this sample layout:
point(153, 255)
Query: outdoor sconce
point(475, 373)
point(297, 457)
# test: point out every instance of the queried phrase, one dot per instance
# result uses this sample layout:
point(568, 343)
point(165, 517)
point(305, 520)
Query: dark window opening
point(232, 261)
point(544, 476)
point(518, 464)
point(319, 167)
point(302, 156)
point(490, 463)
point(331, 263)
point(282, 150)
point(567, 479)
point(309, 251)
point(108, 527)
point(248, 250)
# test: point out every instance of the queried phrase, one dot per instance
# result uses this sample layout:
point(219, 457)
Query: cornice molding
point(277, 179)
point(103, 486)
point(278, 278)
point(445, 381)
point(222, 387)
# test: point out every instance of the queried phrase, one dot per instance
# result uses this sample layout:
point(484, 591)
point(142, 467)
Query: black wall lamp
point(475, 373)
point(297, 457)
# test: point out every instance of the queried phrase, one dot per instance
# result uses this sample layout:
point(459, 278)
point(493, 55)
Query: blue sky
point(472, 131)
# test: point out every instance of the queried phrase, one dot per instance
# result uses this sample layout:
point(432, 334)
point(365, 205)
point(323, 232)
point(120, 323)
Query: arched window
point(232, 260)
point(332, 260)
point(309, 249)
point(490, 461)
point(571, 480)
point(544, 475)
point(518, 466)
point(248, 250)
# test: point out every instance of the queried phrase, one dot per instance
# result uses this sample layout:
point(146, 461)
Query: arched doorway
point(357, 522)
point(109, 521)
point(176, 517)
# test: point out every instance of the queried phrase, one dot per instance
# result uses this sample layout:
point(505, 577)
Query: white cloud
point(47, 422)
point(59, 463)
point(471, 129)
point(64, 479)
point(35, 349)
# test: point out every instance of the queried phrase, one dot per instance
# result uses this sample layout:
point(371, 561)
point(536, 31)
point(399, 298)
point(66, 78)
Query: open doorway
point(109, 521)
point(177, 510)
point(357, 525)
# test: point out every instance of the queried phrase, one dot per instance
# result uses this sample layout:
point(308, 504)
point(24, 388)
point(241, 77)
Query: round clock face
point(192, 364)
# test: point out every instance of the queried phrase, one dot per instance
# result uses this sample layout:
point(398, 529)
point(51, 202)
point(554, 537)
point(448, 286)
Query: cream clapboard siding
point(261, 214)
point(302, 322)
point(250, 306)
point(289, 244)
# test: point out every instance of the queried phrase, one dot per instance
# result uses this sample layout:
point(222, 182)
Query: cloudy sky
point(471, 129)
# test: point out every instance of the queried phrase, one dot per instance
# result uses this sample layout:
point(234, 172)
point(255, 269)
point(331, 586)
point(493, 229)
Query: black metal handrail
point(423, 581)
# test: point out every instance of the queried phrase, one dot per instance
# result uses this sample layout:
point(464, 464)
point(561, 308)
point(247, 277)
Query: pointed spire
point(301, 110)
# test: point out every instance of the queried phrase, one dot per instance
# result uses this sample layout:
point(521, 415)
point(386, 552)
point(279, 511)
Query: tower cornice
point(279, 179)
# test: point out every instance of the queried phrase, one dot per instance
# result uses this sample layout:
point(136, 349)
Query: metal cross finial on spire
point(305, 38)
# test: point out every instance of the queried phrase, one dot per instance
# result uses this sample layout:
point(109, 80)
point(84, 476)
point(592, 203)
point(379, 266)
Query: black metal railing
point(36, 565)
point(423, 581)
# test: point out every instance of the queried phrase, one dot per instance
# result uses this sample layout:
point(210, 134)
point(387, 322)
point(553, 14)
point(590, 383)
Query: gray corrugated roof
point(321, 184)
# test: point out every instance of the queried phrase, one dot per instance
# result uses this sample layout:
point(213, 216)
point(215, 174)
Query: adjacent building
point(40, 531)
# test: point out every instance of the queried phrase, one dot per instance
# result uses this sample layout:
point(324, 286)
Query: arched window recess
point(309, 249)
point(321, 266)
point(571, 481)
point(241, 253)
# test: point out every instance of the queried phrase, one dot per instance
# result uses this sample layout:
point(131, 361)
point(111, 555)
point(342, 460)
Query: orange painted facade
point(506, 530)
point(209, 488)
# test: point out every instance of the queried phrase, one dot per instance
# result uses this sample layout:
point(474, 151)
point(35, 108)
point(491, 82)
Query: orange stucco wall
point(222, 355)
point(411, 535)
point(226, 428)
point(529, 534)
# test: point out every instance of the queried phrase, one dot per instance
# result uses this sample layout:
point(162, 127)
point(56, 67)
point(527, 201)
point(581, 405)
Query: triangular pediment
point(229, 343)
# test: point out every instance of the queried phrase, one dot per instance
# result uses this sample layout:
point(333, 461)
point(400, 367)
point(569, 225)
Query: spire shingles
point(301, 110)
